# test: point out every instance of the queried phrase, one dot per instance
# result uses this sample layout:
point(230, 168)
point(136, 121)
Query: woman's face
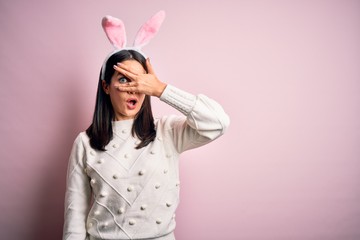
point(125, 104)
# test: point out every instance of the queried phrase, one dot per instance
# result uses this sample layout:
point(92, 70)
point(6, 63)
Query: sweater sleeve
point(78, 194)
point(204, 121)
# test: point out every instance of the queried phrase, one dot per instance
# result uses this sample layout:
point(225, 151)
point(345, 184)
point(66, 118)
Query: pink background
point(287, 73)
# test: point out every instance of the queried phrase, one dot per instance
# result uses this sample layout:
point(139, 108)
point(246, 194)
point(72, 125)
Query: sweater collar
point(122, 126)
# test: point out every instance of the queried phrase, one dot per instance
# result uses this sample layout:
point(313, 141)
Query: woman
point(123, 180)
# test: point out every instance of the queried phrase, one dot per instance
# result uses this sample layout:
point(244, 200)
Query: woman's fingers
point(149, 66)
point(127, 88)
point(133, 86)
point(146, 83)
point(124, 71)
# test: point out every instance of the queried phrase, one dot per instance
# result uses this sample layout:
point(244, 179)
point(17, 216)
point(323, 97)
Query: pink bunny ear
point(115, 31)
point(149, 29)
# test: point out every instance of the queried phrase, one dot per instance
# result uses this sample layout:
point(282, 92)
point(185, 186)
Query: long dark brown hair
point(100, 131)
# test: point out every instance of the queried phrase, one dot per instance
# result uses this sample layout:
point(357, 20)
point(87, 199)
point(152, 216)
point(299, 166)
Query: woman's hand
point(146, 83)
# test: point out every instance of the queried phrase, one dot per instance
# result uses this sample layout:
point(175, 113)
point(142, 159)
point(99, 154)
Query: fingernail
point(114, 66)
point(119, 64)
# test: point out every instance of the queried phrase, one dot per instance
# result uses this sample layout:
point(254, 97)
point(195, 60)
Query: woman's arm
point(77, 196)
point(204, 120)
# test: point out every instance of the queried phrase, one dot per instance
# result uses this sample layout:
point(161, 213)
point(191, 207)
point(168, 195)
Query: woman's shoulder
point(81, 138)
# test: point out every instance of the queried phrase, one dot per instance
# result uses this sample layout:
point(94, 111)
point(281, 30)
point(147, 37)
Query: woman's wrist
point(160, 89)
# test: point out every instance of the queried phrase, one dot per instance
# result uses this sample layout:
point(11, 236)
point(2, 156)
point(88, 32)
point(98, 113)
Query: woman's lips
point(131, 103)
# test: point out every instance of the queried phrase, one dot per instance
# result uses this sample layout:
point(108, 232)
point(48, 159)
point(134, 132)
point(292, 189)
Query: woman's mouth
point(131, 103)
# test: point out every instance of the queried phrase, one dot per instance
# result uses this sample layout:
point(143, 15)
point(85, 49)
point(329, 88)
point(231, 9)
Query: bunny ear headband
point(115, 31)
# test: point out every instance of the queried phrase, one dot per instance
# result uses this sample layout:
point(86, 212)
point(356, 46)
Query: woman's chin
point(127, 114)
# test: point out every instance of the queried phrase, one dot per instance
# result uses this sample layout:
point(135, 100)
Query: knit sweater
point(128, 193)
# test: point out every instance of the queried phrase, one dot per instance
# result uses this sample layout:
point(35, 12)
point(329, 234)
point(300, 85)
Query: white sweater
point(128, 193)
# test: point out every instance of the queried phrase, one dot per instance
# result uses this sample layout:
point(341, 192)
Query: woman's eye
point(123, 80)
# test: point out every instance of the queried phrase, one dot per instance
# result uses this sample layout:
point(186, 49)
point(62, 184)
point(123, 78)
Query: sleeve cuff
point(179, 99)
